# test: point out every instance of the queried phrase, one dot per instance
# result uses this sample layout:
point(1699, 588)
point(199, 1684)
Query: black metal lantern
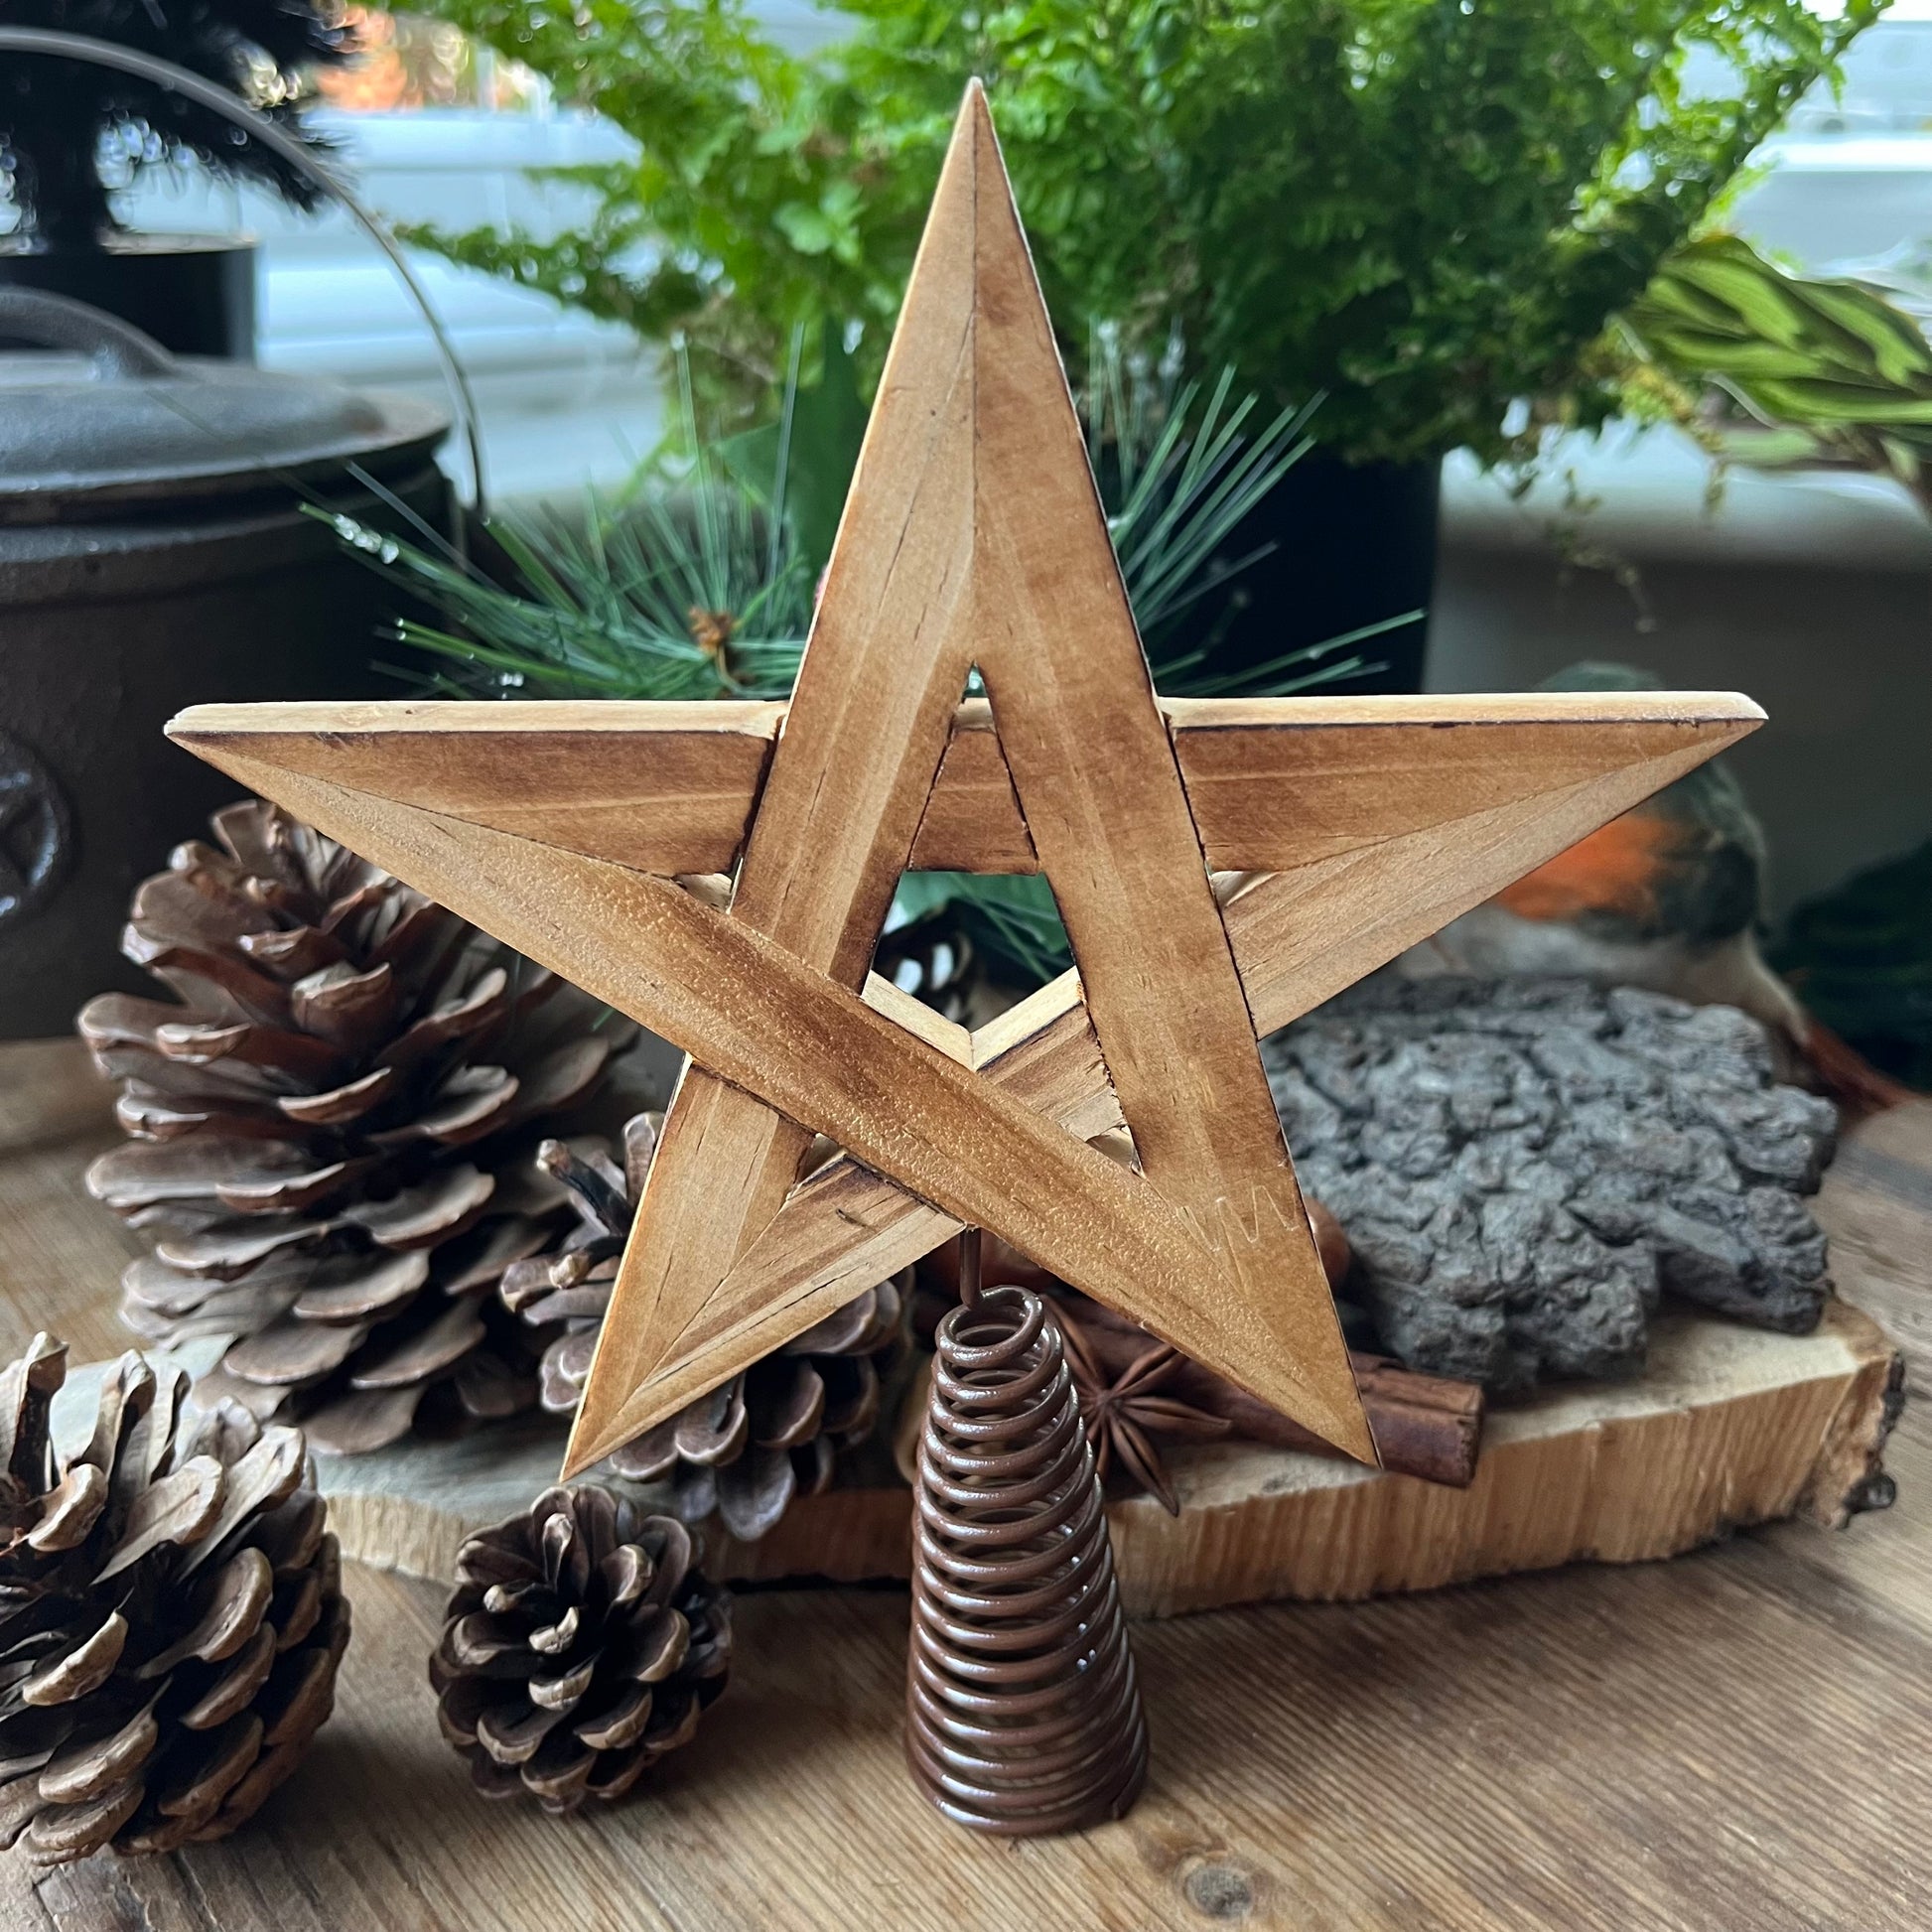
point(154, 552)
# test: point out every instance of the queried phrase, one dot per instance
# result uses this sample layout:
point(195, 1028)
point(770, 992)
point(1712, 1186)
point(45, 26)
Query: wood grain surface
point(887, 657)
point(671, 788)
point(1100, 787)
point(760, 1019)
point(1738, 1741)
point(972, 536)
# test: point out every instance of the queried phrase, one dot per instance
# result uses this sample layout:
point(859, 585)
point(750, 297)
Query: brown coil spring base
point(1022, 1711)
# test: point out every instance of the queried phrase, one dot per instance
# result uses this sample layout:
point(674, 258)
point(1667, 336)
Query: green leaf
point(1899, 350)
point(1853, 386)
point(1759, 304)
point(1840, 403)
point(829, 425)
point(811, 231)
point(814, 446)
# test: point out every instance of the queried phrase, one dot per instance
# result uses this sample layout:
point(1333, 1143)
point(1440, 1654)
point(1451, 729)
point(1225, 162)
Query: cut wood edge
point(1730, 1427)
point(1849, 1475)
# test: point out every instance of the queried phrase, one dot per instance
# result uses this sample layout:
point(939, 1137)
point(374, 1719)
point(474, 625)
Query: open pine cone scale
point(329, 1132)
point(747, 1449)
point(171, 1616)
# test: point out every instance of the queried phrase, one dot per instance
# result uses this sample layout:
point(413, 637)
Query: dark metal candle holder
point(1022, 1710)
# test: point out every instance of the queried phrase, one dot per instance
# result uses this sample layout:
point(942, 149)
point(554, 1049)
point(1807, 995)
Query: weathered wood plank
point(663, 788)
point(1599, 1750)
point(1596, 1749)
point(60, 1253)
point(1278, 783)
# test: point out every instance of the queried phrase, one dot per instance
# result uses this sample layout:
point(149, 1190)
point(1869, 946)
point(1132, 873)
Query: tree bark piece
point(1524, 1166)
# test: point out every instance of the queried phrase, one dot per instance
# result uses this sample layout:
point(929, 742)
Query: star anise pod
point(1125, 1415)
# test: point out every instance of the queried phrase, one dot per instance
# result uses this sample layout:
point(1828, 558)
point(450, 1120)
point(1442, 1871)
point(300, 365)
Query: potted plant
point(71, 134)
point(1419, 210)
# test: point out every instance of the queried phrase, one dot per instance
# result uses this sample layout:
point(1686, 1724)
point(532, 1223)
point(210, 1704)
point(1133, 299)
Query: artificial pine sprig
point(704, 590)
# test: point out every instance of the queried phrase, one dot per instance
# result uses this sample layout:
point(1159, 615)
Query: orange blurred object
point(1615, 870)
point(405, 60)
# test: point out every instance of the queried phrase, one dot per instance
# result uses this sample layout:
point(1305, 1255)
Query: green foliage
point(1423, 207)
point(809, 451)
point(673, 598)
point(1813, 371)
point(705, 590)
point(1012, 919)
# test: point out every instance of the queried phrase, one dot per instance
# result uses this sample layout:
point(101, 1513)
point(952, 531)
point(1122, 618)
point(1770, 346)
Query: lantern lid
point(100, 417)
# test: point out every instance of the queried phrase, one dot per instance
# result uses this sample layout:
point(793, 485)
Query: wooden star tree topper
point(1222, 867)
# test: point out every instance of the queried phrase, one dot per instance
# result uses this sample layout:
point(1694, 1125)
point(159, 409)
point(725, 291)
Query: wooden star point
point(972, 539)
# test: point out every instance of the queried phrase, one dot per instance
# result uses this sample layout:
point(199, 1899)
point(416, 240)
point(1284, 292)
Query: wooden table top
point(1738, 1741)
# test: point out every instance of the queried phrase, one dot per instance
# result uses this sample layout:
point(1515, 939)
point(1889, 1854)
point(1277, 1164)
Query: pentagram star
point(972, 540)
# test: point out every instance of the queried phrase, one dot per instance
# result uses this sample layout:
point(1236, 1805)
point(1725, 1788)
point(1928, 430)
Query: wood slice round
point(1730, 1426)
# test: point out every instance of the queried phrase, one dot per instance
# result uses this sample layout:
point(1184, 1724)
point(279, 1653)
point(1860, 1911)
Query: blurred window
point(1887, 81)
point(442, 130)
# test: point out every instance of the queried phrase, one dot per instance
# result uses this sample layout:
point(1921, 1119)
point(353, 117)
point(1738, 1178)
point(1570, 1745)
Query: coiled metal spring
point(1022, 1710)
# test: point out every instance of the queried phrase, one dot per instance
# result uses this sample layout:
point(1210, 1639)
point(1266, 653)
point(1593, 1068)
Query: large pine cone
point(171, 1616)
point(581, 1645)
point(331, 1132)
point(748, 1448)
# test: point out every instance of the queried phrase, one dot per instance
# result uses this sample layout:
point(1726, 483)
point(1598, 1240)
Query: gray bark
point(1524, 1166)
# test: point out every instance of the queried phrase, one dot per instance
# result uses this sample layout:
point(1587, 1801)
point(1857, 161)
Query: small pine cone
point(171, 1616)
point(330, 1132)
point(752, 1445)
point(581, 1645)
point(932, 959)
